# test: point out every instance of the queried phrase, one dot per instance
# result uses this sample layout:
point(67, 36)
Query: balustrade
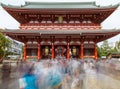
point(58, 26)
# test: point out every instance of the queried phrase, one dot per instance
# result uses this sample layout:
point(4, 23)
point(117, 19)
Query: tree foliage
point(4, 42)
point(117, 46)
point(105, 48)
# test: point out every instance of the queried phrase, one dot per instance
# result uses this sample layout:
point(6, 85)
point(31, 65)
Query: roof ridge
point(29, 2)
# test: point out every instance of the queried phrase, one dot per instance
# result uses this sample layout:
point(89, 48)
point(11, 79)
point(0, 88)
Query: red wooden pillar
point(95, 52)
point(68, 51)
point(39, 51)
point(52, 50)
point(25, 52)
point(82, 51)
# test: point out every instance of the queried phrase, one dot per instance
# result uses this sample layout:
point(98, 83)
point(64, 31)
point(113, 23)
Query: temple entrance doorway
point(45, 51)
point(60, 51)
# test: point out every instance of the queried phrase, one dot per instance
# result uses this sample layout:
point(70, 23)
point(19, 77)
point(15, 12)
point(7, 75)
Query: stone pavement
point(9, 80)
point(9, 77)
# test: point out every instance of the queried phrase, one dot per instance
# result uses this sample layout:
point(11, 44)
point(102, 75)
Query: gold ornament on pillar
point(46, 50)
point(60, 19)
point(74, 51)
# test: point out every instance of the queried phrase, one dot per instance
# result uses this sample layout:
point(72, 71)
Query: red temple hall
point(69, 29)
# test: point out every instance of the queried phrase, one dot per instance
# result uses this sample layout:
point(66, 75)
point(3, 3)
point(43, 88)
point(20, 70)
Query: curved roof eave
point(62, 31)
point(59, 5)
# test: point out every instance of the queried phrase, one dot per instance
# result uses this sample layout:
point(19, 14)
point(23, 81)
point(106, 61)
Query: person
point(66, 81)
point(85, 66)
point(91, 65)
point(28, 81)
point(76, 82)
point(56, 78)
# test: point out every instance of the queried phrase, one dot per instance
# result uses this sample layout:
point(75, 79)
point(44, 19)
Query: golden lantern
point(60, 19)
point(46, 50)
point(74, 50)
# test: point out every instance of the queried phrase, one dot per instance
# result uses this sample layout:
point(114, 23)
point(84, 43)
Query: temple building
point(68, 29)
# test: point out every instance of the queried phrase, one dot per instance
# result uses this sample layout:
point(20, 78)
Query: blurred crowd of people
point(61, 74)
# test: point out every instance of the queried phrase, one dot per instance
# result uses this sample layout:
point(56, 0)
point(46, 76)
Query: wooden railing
point(57, 26)
point(32, 46)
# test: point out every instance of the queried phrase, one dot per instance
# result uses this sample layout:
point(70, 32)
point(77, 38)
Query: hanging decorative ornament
point(74, 50)
point(46, 50)
point(60, 19)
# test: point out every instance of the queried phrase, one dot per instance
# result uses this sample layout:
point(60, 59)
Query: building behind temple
point(15, 49)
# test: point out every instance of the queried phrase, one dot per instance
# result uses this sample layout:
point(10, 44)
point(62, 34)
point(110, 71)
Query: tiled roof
point(101, 31)
point(60, 5)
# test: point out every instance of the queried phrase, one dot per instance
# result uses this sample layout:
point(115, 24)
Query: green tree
point(117, 46)
point(4, 42)
point(104, 49)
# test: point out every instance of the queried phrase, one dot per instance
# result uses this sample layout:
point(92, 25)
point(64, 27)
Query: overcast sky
point(113, 21)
